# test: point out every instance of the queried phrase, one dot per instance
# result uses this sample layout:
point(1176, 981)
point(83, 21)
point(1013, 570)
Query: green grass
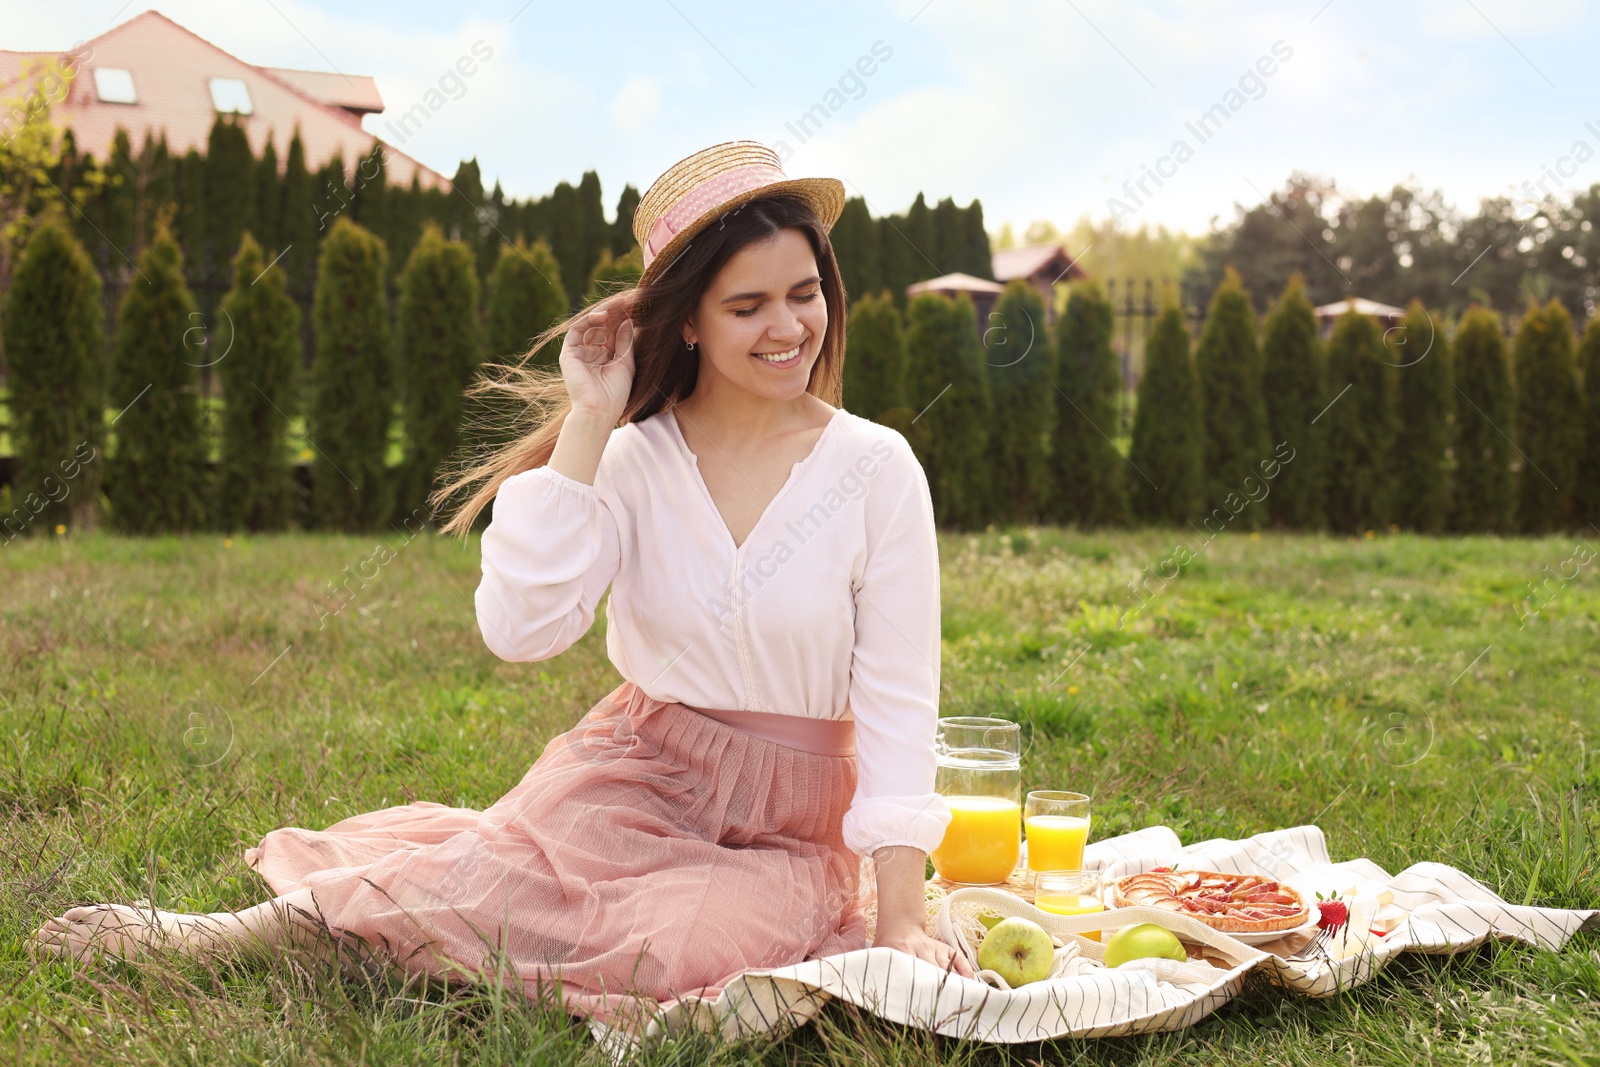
point(155, 726)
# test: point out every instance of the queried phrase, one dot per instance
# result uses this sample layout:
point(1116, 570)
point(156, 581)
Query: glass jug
point(980, 776)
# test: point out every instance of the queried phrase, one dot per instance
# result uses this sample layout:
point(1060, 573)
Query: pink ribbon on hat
point(717, 189)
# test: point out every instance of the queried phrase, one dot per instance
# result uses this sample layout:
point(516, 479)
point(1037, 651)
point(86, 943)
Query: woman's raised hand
point(597, 357)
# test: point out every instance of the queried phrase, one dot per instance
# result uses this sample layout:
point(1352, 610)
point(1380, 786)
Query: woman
point(774, 610)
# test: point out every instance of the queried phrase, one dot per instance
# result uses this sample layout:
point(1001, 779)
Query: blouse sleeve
point(550, 550)
point(894, 680)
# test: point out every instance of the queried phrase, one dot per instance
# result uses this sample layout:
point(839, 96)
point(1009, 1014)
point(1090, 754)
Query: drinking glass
point(1069, 892)
point(1057, 824)
point(979, 773)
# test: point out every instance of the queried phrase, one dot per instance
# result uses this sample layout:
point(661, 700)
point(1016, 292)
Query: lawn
point(166, 702)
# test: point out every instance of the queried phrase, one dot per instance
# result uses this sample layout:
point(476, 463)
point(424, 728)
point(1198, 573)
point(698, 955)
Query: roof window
point(230, 94)
point(113, 85)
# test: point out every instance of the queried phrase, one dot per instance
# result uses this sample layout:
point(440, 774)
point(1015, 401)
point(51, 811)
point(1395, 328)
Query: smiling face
point(765, 303)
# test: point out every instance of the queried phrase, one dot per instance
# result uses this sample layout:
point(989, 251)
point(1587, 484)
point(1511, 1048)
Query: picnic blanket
point(1445, 909)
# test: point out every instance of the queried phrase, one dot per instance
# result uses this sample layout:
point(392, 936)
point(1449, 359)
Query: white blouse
point(829, 610)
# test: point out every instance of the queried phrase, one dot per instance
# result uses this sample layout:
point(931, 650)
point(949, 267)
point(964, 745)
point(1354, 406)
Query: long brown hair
point(665, 368)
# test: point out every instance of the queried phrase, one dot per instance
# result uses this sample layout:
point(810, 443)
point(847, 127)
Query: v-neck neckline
point(705, 490)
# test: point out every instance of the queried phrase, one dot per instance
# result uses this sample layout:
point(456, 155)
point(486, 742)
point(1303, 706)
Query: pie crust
point(1232, 903)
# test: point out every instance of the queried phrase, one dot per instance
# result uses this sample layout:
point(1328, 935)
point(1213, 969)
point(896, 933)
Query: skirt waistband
point(823, 737)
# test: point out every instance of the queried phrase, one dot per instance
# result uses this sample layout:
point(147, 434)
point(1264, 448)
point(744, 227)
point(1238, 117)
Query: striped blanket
point(1444, 910)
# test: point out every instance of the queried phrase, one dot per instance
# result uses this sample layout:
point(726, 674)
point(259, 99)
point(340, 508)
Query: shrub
point(1549, 418)
point(56, 352)
point(1295, 389)
point(1235, 413)
point(1168, 432)
point(1087, 484)
point(1361, 426)
point(259, 384)
point(439, 350)
point(945, 381)
point(1427, 405)
point(352, 382)
point(1483, 500)
point(525, 297)
point(612, 274)
point(875, 357)
point(1586, 492)
point(155, 479)
point(1021, 369)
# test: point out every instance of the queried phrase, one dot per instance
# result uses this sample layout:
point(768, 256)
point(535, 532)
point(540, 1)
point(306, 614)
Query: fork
point(1313, 949)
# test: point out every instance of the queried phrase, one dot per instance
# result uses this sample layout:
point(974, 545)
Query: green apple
point(1143, 941)
point(989, 919)
point(1018, 950)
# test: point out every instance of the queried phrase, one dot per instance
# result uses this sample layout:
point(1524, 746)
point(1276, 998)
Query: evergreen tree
point(259, 381)
point(857, 248)
point(1294, 387)
point(948, 236)
point(439, 351)
point(268, 229)
point(230, 192)
point(1549, 418)
point(622, 228)
point(301, 233)
point(1021, 369)
point(1586, 492)
point(1427, 408)
point(369, 200)
point(1361, 426)
point(875, 360)
point(1483, 498)
point(351, 382)
point(611, 275)
point(525, 297)
point(945, 381)
point(1087, 480)
point(1229, 367)
point(155, 479)
point(974, 257)
point(55, 351)
point(1168, 430)
point(189, 194)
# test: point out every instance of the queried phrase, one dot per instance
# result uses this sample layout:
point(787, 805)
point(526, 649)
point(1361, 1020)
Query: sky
point(1047, 110)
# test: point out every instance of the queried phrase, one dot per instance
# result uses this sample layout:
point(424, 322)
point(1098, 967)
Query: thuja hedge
point(1408, 427)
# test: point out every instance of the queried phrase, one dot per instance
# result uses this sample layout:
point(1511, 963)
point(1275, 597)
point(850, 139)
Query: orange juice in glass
point(1057, 825)
point(982, 842)
point(1071, 892)
point(979, 774)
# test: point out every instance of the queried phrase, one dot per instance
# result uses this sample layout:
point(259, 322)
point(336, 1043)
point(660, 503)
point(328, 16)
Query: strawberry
point(1334, 913)
point(1159, 870)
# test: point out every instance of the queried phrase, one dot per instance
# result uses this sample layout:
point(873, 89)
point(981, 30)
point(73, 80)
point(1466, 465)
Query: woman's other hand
point(917, 942)
point(597, 357)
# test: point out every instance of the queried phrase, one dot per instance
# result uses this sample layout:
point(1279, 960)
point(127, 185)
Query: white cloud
point(635, 104)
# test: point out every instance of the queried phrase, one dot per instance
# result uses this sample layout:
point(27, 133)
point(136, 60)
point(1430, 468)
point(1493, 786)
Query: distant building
point(1041, 266)
point(982, 292)
point(149, 75)
point(1386, 314)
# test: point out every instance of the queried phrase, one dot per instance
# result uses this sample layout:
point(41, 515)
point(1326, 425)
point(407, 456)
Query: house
point(1386, 314)
point(1041, 266)
point(982, 292)
point(150, 75)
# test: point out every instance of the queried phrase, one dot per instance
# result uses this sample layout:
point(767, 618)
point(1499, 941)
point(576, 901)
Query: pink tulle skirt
point(650, 852)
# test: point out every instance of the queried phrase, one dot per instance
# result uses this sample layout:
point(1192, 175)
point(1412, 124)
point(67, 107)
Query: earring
point(691, 345)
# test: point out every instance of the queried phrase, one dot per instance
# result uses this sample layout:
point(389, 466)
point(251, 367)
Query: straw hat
point(699, 190)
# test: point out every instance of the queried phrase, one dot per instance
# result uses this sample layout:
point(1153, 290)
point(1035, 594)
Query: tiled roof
point(171, 69)
point(1026, 262)
point(954, 283)
point(1362, 306)
point(354, 92)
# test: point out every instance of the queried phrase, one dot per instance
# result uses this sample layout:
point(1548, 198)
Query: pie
point(1232, 903)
